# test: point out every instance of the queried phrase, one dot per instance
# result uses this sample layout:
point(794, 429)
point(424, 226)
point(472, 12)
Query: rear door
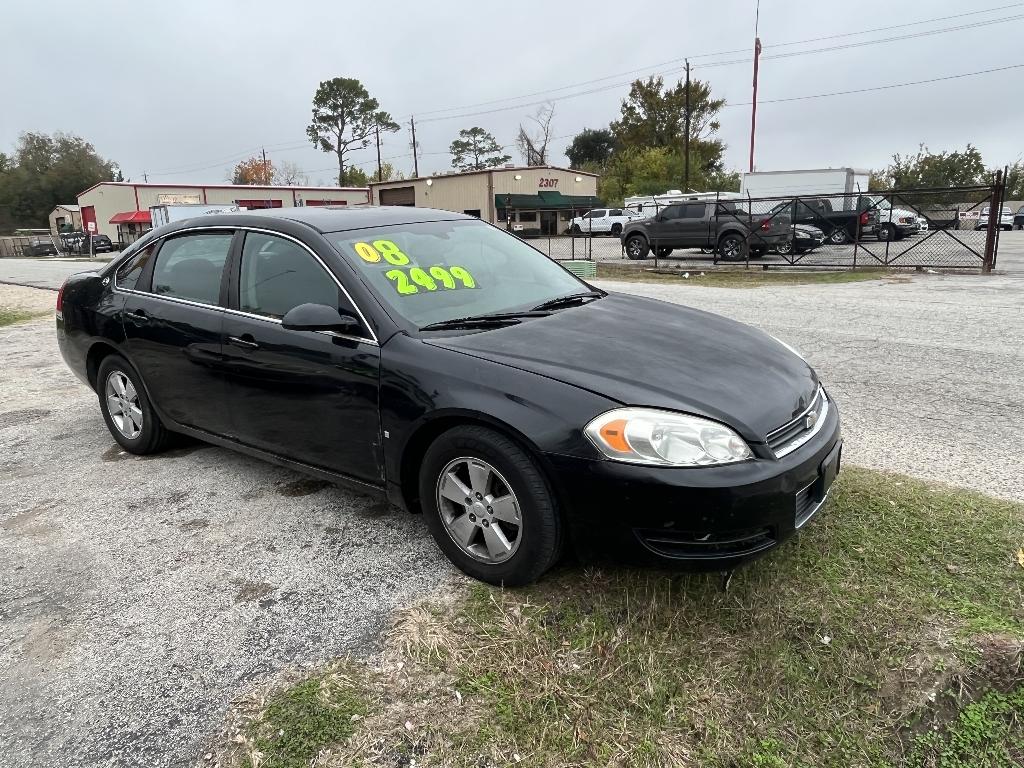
point(173, 321)
point(310, 396)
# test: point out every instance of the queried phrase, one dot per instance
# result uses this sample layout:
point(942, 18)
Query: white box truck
point(815, 182)
point(161, 215)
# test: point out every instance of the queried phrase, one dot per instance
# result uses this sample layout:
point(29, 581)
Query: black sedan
point(435, 360)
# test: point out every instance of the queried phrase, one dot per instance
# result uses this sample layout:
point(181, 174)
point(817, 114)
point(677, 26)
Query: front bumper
point(699, 518)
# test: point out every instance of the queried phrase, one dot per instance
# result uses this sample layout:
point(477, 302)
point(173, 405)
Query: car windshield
point(442, 270)
point(880, 202)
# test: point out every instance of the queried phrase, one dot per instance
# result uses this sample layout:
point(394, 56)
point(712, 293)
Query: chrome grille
point(798, 431)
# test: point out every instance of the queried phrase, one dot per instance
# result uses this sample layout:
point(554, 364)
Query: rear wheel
point(637, 247)
point(662, 251)
point(839, 237)
point(731, 247)
point(489, 507)
point(784, 249)
point(126, 409)
point(575, 229)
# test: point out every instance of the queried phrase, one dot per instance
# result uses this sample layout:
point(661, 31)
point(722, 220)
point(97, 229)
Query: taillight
point(864, 218)
point(766, 225)
point(60, 298)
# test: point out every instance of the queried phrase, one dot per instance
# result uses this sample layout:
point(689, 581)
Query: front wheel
point(126, 410)
point(839, 237)
point(663, 251)
point(784, 249)
point(886, 232)
point(489, 507)
point(637, 247)
point(616, 230)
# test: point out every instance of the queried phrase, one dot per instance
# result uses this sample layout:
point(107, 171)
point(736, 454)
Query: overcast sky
point(182, 91)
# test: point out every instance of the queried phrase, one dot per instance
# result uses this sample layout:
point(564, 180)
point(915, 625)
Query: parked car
point(434, 360)
point(722, 226)
point(99, 244)
point(40, 246)
point(603, 221)
point(1018, 219)
point(838, 226)
point(804, 238)
point(1006, 218)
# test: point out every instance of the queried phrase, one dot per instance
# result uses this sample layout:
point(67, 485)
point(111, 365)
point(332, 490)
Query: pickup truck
point(893, 223)
point(839, 226)
point(721, 226)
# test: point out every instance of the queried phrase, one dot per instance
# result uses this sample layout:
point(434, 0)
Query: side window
point(616, 212)
point(673, 212)
point(278, 275)
point(128, 274)
point(190, 267)
point(694, 210)
point(600, 214)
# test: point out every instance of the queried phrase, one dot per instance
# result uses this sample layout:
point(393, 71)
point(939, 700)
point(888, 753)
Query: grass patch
point(888, 634)
point(299, 722)
point(736, 278)
point(10, 316)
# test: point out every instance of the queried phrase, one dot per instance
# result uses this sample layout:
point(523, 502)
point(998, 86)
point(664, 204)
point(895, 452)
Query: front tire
point(887, 233)
point(616, 230)
point(126, 410)
point(637, 247)
point(663, 251)
point(489, 507)
point(730, 247)
point(839, 237)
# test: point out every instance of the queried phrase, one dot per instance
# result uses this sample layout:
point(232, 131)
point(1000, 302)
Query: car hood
point(645, 352)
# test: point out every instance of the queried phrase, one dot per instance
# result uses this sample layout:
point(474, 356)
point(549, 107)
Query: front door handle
point(245, 341)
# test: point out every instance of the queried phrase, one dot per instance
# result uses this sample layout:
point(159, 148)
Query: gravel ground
point(141, 595)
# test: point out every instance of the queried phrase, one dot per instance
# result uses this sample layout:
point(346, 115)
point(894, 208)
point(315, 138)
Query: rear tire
point(522, 539)
point(886, 232)
point(662, 251)
point(839, 237)
point(126, 409)
point(731, 247)
point(637, 247)
point(575, 229)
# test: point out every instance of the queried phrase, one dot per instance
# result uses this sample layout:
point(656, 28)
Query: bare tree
point(288, 174)
point(533, 145)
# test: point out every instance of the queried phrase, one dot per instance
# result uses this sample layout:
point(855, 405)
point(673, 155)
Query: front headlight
point(664, 438)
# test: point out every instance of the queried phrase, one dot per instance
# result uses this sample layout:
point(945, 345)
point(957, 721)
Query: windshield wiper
point(568, 301)
point(482, 321)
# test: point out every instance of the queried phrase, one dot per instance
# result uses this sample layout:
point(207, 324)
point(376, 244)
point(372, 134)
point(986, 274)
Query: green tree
point(476, 149)
point(1014, 181)
point(592, 147)
point(387, 173)
point(354, 177)
point(345, 116)
point(928, 169)
point(654, 116)
point(45, 171)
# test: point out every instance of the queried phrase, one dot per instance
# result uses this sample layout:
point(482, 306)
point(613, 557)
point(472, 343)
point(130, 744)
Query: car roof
point(331, 218)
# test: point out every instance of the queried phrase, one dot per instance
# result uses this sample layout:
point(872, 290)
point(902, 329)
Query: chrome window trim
point(373, 336)
point(804, 437)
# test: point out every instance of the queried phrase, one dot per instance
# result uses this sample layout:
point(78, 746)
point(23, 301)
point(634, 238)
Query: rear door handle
point(246, 341)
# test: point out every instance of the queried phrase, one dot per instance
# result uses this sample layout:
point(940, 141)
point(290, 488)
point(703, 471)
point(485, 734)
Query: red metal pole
point(753, 108)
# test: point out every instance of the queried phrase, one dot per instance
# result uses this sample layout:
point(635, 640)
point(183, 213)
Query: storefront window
point(527, 215)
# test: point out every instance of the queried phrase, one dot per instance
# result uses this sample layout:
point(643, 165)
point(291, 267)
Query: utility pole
point(753, 108)
point(266, 176)
point(686, 138)
point(145, 177)
point(415, 156)
point(380, 171)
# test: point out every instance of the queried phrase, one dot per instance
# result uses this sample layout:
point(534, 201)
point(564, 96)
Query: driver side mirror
point(320, 317)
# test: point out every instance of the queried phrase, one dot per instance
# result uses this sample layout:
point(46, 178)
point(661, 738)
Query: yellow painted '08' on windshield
point(385, 249)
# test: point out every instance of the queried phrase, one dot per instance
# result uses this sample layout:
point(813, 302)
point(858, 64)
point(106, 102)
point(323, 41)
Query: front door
point(693, 227)
point(173, 322)
point(308, 396)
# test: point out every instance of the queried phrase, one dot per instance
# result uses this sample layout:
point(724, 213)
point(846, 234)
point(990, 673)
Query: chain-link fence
point(21, 246)
point(945, 228)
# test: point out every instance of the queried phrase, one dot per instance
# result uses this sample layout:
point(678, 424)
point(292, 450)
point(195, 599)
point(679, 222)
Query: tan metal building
point(537, 200)
point(121, 209)
point(65, 217)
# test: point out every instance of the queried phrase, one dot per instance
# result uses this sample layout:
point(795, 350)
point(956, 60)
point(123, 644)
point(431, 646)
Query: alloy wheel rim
point(838, 237)
point(730, 248)
point(123, 405)
point(479, 510)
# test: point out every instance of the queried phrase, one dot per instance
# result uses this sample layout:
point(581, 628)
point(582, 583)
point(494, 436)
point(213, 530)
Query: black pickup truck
point(722, 226)
point(839, 226)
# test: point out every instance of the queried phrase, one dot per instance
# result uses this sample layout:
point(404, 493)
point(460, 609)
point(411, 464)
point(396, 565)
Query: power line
point(744, 50)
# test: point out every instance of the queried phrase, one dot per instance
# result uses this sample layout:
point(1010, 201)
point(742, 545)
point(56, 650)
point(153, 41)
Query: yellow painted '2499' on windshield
point(410, 281)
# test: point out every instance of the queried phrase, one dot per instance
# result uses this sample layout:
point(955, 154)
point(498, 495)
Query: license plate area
point(811, 498)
